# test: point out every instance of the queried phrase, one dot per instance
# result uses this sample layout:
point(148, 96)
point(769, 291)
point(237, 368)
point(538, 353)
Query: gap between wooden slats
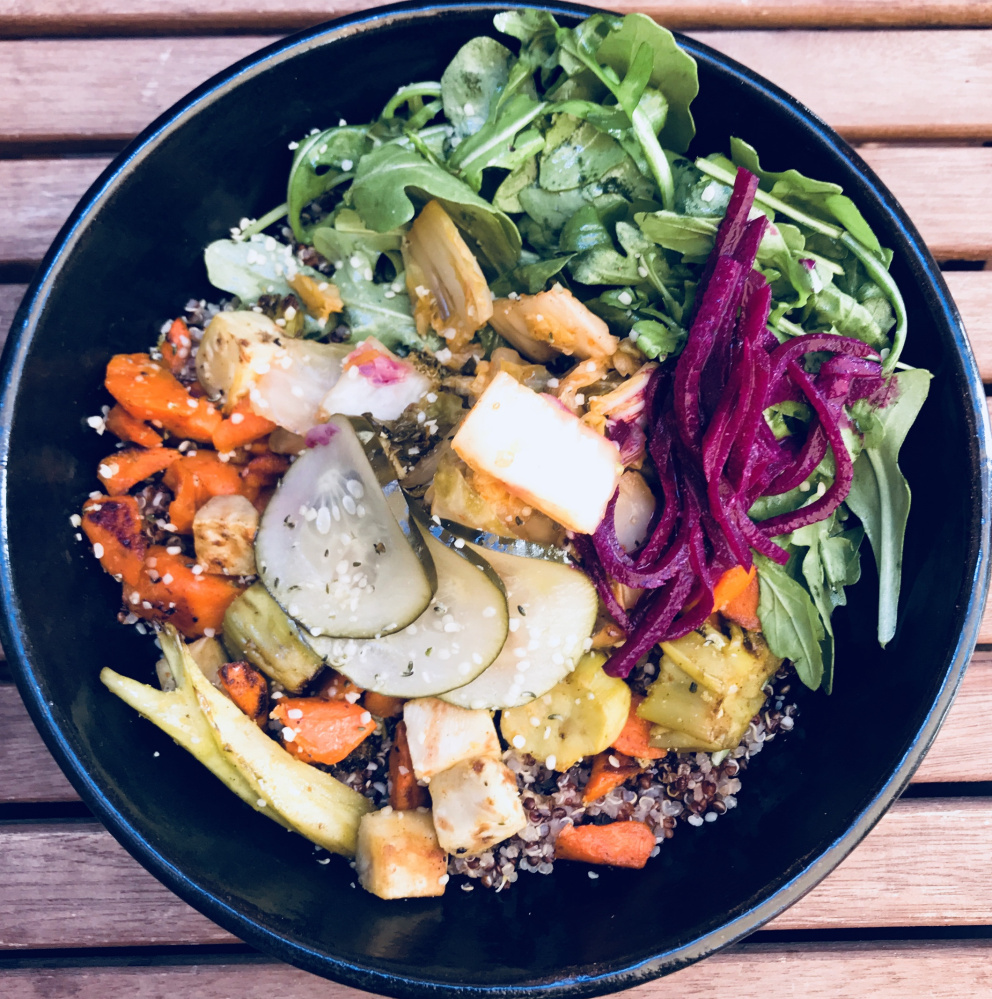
point(54, 17)
point(28, 774)
point(813, 971)
point(109, 89)
point(74, 886)
point(946, 190)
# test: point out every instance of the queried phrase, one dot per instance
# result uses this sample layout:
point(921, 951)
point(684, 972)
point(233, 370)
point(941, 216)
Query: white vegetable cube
point(476, 805)
point(398, 855)
point(541, 452)
point(440, 735)
point(224, 531)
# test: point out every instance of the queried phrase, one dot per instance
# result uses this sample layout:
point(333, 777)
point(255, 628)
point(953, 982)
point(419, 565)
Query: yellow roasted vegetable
point(709, 687)
point(581, 716)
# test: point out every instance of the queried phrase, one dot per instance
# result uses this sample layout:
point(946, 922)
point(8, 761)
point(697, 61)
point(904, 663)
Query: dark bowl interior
point(131, 256)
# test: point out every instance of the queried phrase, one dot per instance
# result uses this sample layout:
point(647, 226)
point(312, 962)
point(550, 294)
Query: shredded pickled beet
point(713, 451)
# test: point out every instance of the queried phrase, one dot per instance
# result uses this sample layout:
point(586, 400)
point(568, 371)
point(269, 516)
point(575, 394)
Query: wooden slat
point(972, 291)
point(29, 17)
point(73, 886)
point(10, 299)
point(28, 773)
point(108, 89)
point(868, 84)
point(813, 971)
point(36, 197)
point(946, 190)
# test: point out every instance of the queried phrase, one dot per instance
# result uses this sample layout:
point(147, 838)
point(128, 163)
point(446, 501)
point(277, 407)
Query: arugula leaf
point(832, 561)
point(576, 155)
point(376, 309)
point(684, 234)
point(654, 339)
point(847, 316)
point(529, 278)
point(320, 163)
point(380, 194)
point(880, 495)
point(816, 195)
point(783, 416)
point(473, 81)
point(507, 196)
point(253, 267)
point(537, 32)
point(603, 264)
point(790, 622)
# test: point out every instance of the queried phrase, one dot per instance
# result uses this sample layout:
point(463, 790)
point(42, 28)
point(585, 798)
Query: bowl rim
point(12, 623)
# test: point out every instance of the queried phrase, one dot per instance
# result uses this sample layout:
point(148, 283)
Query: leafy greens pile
point(563, 161)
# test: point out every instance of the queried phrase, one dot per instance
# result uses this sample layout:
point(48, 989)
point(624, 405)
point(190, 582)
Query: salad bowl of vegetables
point(442, 452)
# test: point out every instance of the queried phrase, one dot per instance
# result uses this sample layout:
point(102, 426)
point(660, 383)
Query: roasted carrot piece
point(335, 686)
point(743, 609)
point(246, 686)
point(122, 424)
point(196, 478)
point(114, 523)
point(610, 769)
point(382, 705)
point(322, 731)
point(148, 390)
point(633, 737)
point(404, 791)
point(194, 602)
point(619, 844)
point(731, 585)
point(261, 474)
point(242, 427)
point(177, 345)
point(121, 471)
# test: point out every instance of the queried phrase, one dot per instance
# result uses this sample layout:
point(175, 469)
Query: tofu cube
point(224, 531)
point(541, 452)
point(441, 734)
point(398, 855)
point(476, 805)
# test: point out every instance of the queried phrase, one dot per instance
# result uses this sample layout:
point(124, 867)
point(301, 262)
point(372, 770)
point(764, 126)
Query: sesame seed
point(167, 579)
point(288, 734)
point(519, 742)
point(550, 762)
point(237, 418)
point(98, 550)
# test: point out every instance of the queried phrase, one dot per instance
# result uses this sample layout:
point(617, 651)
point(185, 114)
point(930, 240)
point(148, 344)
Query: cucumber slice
point(552, 614)
point(330, 550)
point(452, 642)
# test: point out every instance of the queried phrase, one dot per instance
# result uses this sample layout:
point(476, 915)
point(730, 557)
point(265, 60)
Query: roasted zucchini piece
point(256, 628)
point(581, 716)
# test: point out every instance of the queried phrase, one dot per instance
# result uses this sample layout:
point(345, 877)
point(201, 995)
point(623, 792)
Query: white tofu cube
point(224, 531)
point(541, 452)
point(398, 855)
point(476, 805)
point(441, 734)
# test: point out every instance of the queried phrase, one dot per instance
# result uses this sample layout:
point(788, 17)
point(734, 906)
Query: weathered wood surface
point(867, 85)
point(946, 190)
point(28, 774)
point(71, 885)
point(811, 971)
point(53, 17)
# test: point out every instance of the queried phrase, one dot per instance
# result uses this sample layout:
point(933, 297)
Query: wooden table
point(910, 912)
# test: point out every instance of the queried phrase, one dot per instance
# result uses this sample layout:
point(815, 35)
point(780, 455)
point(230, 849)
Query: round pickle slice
point(453, 641)
point(330, 549)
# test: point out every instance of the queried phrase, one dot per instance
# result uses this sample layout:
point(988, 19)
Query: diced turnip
point(440, 735)
point(224, 531)
point(398, 855)
point(542, 453)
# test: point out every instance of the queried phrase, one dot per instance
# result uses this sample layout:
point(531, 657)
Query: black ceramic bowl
point(131, 255)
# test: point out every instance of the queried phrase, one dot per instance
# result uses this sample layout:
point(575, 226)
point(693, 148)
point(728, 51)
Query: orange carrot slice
point(246, 686)
point(382, 705)
point(177, 345)
point(122, 424)
point(169, 590)
point(335, 686)
point(196, 478)
point(743, 609)
point(148, 390)
point(610, 769)
point(322, 731)
point(731, 585)
point(114, 524)
point(404, 791)
point(633, 737)
point(121, 471)
point(619, 844)
point(242, 427)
